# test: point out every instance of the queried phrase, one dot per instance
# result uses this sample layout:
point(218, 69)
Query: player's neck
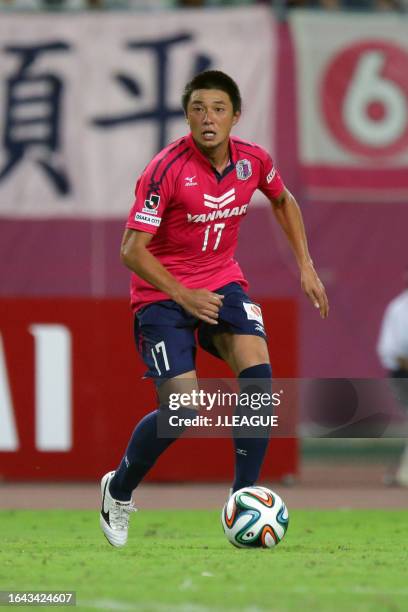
point(218, 157)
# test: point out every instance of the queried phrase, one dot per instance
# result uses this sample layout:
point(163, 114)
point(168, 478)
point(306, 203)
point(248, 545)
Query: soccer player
point(179, 243)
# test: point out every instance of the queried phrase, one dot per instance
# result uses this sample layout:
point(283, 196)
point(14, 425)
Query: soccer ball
point(255, 517)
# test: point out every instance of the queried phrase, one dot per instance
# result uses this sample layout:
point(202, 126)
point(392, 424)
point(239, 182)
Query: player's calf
point(251, 442)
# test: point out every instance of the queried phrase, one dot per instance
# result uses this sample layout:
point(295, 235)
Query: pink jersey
point(195, 213)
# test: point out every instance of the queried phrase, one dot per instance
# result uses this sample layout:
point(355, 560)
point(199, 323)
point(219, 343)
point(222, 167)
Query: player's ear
point(236, 118)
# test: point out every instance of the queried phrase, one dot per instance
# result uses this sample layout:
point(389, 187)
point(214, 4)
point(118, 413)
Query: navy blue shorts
point(166, 335)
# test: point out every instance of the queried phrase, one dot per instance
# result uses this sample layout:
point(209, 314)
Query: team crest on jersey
point(151, 206)
point(244, 169)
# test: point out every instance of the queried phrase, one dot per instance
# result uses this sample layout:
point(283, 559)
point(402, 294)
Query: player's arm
point(289, 217)
point(136, 256)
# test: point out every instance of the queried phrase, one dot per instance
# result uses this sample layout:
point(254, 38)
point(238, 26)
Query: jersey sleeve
point(152, 195)
point(270, 182)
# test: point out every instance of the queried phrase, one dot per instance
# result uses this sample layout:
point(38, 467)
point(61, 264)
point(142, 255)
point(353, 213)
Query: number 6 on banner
point(160, 347)
point(369, 87)
point(365, 99)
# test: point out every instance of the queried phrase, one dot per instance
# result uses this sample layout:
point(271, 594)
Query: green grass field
point(181, 561)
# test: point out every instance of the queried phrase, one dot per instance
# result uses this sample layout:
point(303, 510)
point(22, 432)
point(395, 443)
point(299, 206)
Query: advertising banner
point(352, 105)
point(86, 100)
point(72, 390)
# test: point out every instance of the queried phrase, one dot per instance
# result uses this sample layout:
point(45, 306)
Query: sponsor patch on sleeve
point(148, 219)
point(253, 312)
point(152, 204)
point(271, 175)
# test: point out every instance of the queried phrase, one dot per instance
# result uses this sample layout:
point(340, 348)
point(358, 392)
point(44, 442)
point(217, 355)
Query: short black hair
point(213, 79)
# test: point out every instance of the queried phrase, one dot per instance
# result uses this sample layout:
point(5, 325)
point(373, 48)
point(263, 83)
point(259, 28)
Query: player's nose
point(207, 118)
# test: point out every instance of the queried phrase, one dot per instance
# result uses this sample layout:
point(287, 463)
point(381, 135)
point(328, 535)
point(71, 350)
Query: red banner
point(71, 391)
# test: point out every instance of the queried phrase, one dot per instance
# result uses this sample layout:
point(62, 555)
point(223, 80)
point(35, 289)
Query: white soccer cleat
point(114, 516)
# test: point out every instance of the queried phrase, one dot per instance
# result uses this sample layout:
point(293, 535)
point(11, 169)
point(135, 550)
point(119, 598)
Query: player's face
point(210, 116)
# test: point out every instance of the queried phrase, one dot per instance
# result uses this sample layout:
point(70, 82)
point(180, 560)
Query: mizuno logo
point(189, 181)
point(220, 202)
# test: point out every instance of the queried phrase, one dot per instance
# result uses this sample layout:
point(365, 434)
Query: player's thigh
point(165, 340)
point(239, 338)
point(241, 351)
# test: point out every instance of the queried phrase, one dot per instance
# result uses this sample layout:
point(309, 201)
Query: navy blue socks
point(148, 441)
point(250, 451)
point(144, 448)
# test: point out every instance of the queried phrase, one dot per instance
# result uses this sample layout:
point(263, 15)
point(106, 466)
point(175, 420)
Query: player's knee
point(179, 392)
point(251, 352)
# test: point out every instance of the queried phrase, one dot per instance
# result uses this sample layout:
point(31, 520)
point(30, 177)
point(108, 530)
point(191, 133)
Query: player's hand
point(314, 289)
point(202, 303)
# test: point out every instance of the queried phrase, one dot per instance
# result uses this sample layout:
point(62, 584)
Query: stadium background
point(80, 119)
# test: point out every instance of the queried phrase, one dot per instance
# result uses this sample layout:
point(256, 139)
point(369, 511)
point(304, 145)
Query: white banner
point(86, 100)
point(352, 78)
